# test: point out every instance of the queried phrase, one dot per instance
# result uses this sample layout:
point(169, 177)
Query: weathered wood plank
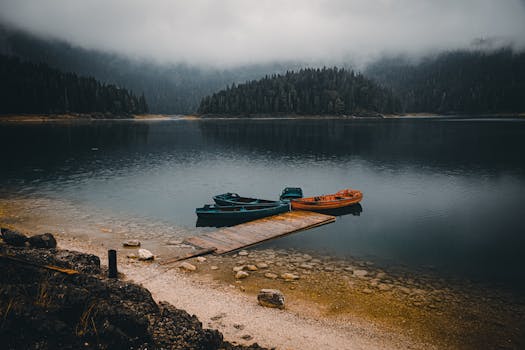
point(254, 232)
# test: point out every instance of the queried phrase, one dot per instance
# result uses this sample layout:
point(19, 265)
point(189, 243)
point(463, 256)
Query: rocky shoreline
point(42, 307)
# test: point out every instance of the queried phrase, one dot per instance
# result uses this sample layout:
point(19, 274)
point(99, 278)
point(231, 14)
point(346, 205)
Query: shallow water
point(442, 194)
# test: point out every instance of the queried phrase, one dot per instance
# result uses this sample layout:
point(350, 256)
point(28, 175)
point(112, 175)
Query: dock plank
point(247, 234)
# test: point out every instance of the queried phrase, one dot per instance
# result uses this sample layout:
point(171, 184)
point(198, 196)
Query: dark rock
point(46, 240)
point(51, 310)
point(14, 238)
point(271, 298)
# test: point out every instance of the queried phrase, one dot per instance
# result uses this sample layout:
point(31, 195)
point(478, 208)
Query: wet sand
point(334, 303)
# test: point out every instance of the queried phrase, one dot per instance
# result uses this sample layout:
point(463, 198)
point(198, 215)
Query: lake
point(442, 194)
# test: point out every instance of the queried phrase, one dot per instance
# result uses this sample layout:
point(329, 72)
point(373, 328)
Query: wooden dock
point(244, 235)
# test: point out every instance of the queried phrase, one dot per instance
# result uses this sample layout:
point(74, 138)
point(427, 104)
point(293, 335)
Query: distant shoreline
point(71, 117)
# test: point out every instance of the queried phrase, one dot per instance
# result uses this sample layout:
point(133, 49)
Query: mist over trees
point(329, 91)
point(36, 88)
point(457, 82)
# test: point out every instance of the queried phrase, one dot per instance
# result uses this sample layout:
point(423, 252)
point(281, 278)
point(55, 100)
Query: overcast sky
point(230, 32)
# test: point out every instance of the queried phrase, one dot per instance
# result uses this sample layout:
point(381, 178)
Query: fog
point(239, 32)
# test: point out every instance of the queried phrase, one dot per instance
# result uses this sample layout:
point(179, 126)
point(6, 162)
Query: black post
point(112, 262)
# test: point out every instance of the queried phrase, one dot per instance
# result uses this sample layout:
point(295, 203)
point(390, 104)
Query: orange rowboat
point(339, 199)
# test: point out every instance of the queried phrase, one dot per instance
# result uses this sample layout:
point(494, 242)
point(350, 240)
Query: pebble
point(360, 273)
point(201, 259)
point(187, 266)
point(175, 242)
point(241, 274)
point(251, 268)
point(238, 326)
point(238, 268)
point(106, 230)
point(306, 266)
point(289, 276)
point(145, 254)
point(367, 291)
point(213, 267)
point(243, 253)
point(247, 337)
point(384, 287)
point(131, 243)
point(270, 275)
point(131, 256)
point(262, 265)
point(271, 298)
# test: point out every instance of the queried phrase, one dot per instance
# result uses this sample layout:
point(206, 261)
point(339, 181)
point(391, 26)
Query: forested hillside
point(36, 88)
point(330, 91)
point(462, 81)
point(168, 88)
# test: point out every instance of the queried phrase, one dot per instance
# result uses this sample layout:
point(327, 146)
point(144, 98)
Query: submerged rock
point(14, 238)
point(46, 240)
point(271, 298)
point(145, 254)
point(289, 276)
point(241, 274)
point(271, 275)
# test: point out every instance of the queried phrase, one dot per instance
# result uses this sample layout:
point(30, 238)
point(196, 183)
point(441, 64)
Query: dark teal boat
point(234, 199)
point(291, 193)
point(241, 212)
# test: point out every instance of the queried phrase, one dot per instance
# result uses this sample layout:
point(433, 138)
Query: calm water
point(447, 194)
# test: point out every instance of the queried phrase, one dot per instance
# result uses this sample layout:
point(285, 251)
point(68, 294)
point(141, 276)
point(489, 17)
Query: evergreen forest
point(36, 88)
point(457, 82)
point(326, 91)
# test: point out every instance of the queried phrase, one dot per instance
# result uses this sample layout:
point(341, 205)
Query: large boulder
point(46, 240)
point(271, 298)
point(13, 238)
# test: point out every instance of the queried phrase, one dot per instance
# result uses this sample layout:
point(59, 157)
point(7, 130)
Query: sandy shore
point(335, 303)
point(238, 316)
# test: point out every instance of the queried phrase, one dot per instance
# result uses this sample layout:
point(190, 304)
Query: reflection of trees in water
point(426, 142)
point(49, 145)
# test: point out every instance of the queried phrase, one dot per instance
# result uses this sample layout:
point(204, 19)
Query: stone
point(360, 273)
point(243, 253)
point(14, 238)
point(238, 268)
point(174, 242)
point(270, 275)
point(46, 240)
point(306, 266)
point(201, 259)
point(187, 266)
point(262, 265)
point(380, 275)
point(131, 243)
point(384, 287)
point(367, 291)
point(213, 267)
point(145, 254)
point(241, 274)
point(251, 268)
point(271, 298)
point(289, 276)
point(247, 337)
point(238, 326)
point(329, 268)
point(106, 230)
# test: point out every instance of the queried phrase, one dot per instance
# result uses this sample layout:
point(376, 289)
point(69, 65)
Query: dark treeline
point(168, 88)
point(308, 92)
point(37, 88)
point(462, 81)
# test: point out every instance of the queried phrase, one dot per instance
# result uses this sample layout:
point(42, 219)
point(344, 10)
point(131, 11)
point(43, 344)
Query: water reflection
point(439, 193)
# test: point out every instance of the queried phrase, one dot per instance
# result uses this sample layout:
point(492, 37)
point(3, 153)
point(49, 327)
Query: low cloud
point(234, 32)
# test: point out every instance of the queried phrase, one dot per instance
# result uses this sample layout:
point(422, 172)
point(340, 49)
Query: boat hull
point(337, 200)
point(244, 212)
point(235, 199)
